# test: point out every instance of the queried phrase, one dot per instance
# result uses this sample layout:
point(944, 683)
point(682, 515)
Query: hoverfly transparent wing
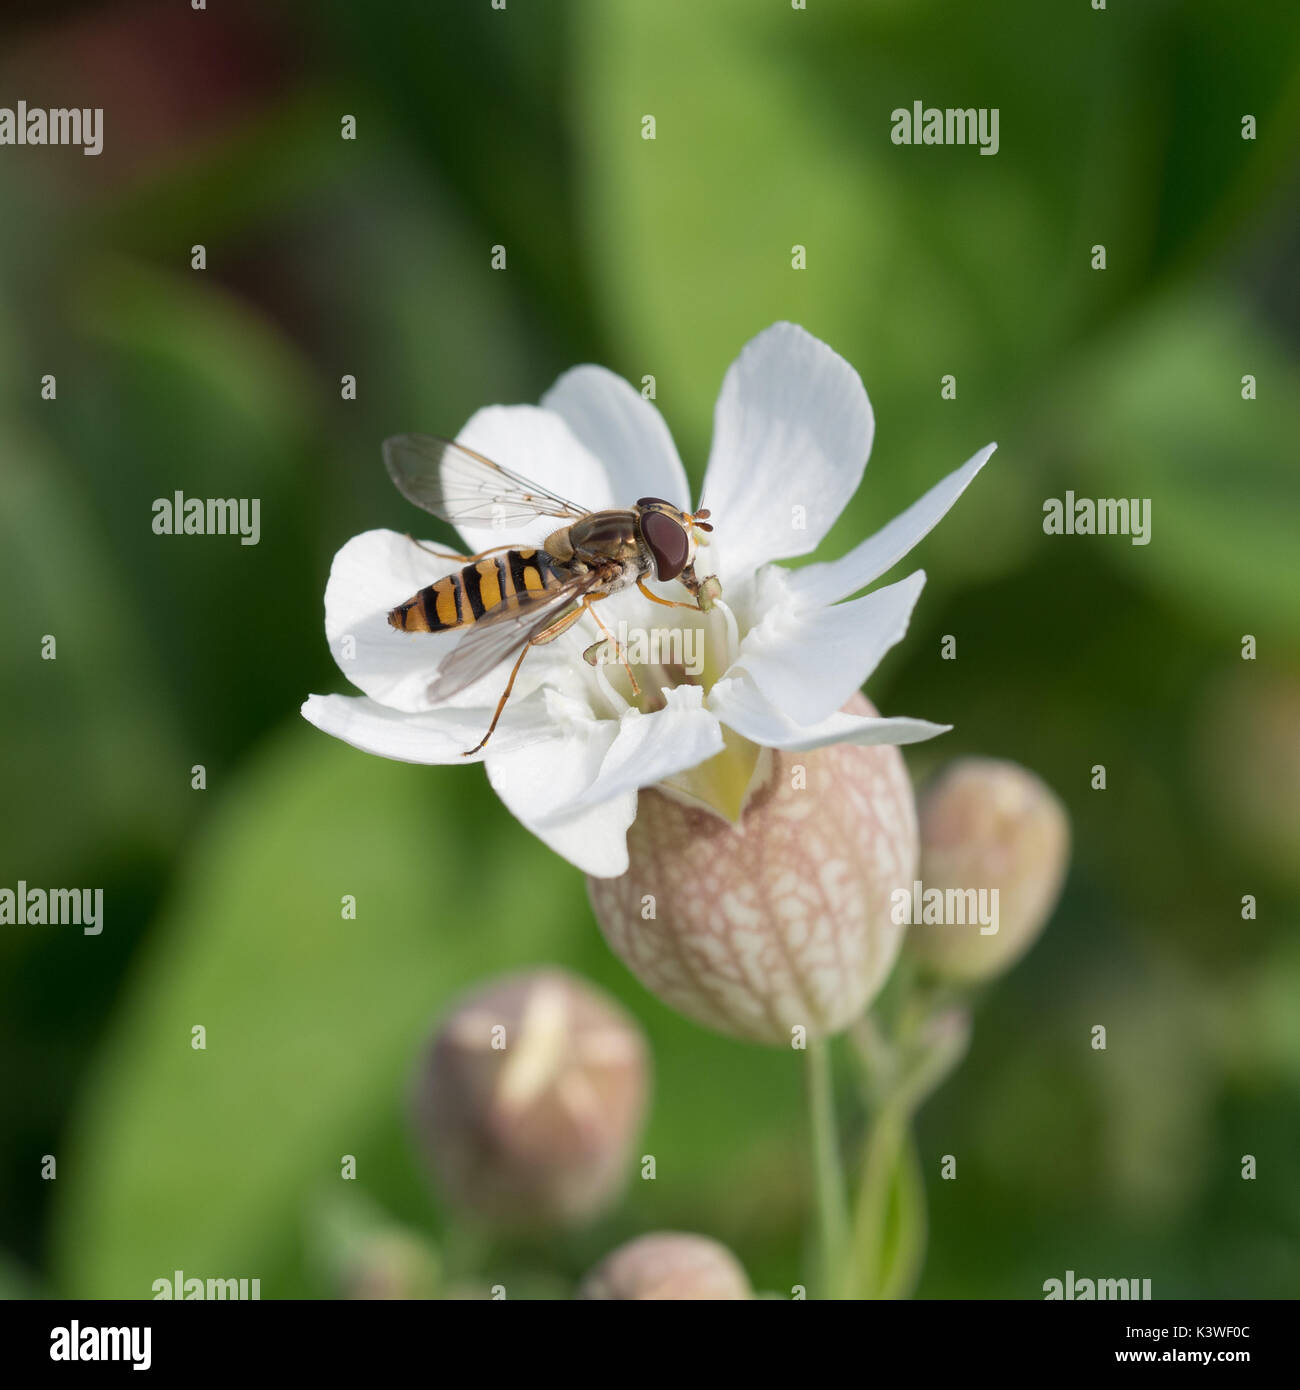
point(459, 485)
point(502, 633)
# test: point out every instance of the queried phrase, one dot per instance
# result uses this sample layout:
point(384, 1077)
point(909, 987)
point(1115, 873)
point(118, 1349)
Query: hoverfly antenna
point(697, 519)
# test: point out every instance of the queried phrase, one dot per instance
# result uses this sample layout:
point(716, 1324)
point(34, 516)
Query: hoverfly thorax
point(669, 535)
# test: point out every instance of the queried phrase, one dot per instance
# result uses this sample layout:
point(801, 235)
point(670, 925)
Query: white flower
point(783, 650)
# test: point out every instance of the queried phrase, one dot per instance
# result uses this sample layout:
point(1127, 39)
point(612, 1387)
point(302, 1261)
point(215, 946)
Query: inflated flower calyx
point(668, 1265)
point(996, 837)
point(531, 1099)
point(778, 923)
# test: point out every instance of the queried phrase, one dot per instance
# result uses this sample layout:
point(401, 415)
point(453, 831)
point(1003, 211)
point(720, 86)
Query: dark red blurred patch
point(165, 75)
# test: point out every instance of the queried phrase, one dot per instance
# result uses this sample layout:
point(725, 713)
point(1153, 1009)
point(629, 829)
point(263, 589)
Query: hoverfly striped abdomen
point(461, 599)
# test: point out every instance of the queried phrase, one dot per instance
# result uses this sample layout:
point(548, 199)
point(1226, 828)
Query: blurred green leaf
point(1160, 414)
point(88, 736)
point(192, 389)
point(480, 98)
point(773, 130)
point(903, 1251)
point(889, 1223)
point(197, 1160)
point(187, 333)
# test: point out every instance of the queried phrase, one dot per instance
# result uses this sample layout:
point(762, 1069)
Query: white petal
point(372, 574)
point(531, 778)
point(540, 446)
point(741, 706)
point(817, 585)
point(650, 747)
point(618, 426)
point(594, 841)
point(808, 664)
point(437, 736)
point(792, 430)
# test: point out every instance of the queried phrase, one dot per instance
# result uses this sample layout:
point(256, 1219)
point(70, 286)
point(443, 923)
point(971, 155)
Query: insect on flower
point(763, 662)
point(508, 599)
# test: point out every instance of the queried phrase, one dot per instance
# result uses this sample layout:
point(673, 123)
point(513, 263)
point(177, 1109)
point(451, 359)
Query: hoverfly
point(514, 598)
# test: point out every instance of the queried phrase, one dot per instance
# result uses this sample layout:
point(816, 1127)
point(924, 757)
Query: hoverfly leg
point(609, 636)
point(429, 550)
point(549, 634)
point(451, 554)
point(667, 602)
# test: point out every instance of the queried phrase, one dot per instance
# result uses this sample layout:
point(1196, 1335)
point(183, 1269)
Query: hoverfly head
point(669, 534)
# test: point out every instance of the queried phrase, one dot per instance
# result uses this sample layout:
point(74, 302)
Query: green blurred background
point(325, 257)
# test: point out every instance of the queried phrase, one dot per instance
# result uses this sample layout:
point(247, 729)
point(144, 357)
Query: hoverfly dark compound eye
point(668, 542)
point(652, 502)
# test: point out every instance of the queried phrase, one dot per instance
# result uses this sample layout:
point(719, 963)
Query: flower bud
point(781, 921)
point(390, 1266)
point(668, 1265)
point(363, 1253)
point(995, 845)
point(531, 1099)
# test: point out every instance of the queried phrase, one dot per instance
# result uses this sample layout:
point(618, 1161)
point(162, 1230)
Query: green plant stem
point(885, 1140)
point(828, 1169)
point(899, 1071)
